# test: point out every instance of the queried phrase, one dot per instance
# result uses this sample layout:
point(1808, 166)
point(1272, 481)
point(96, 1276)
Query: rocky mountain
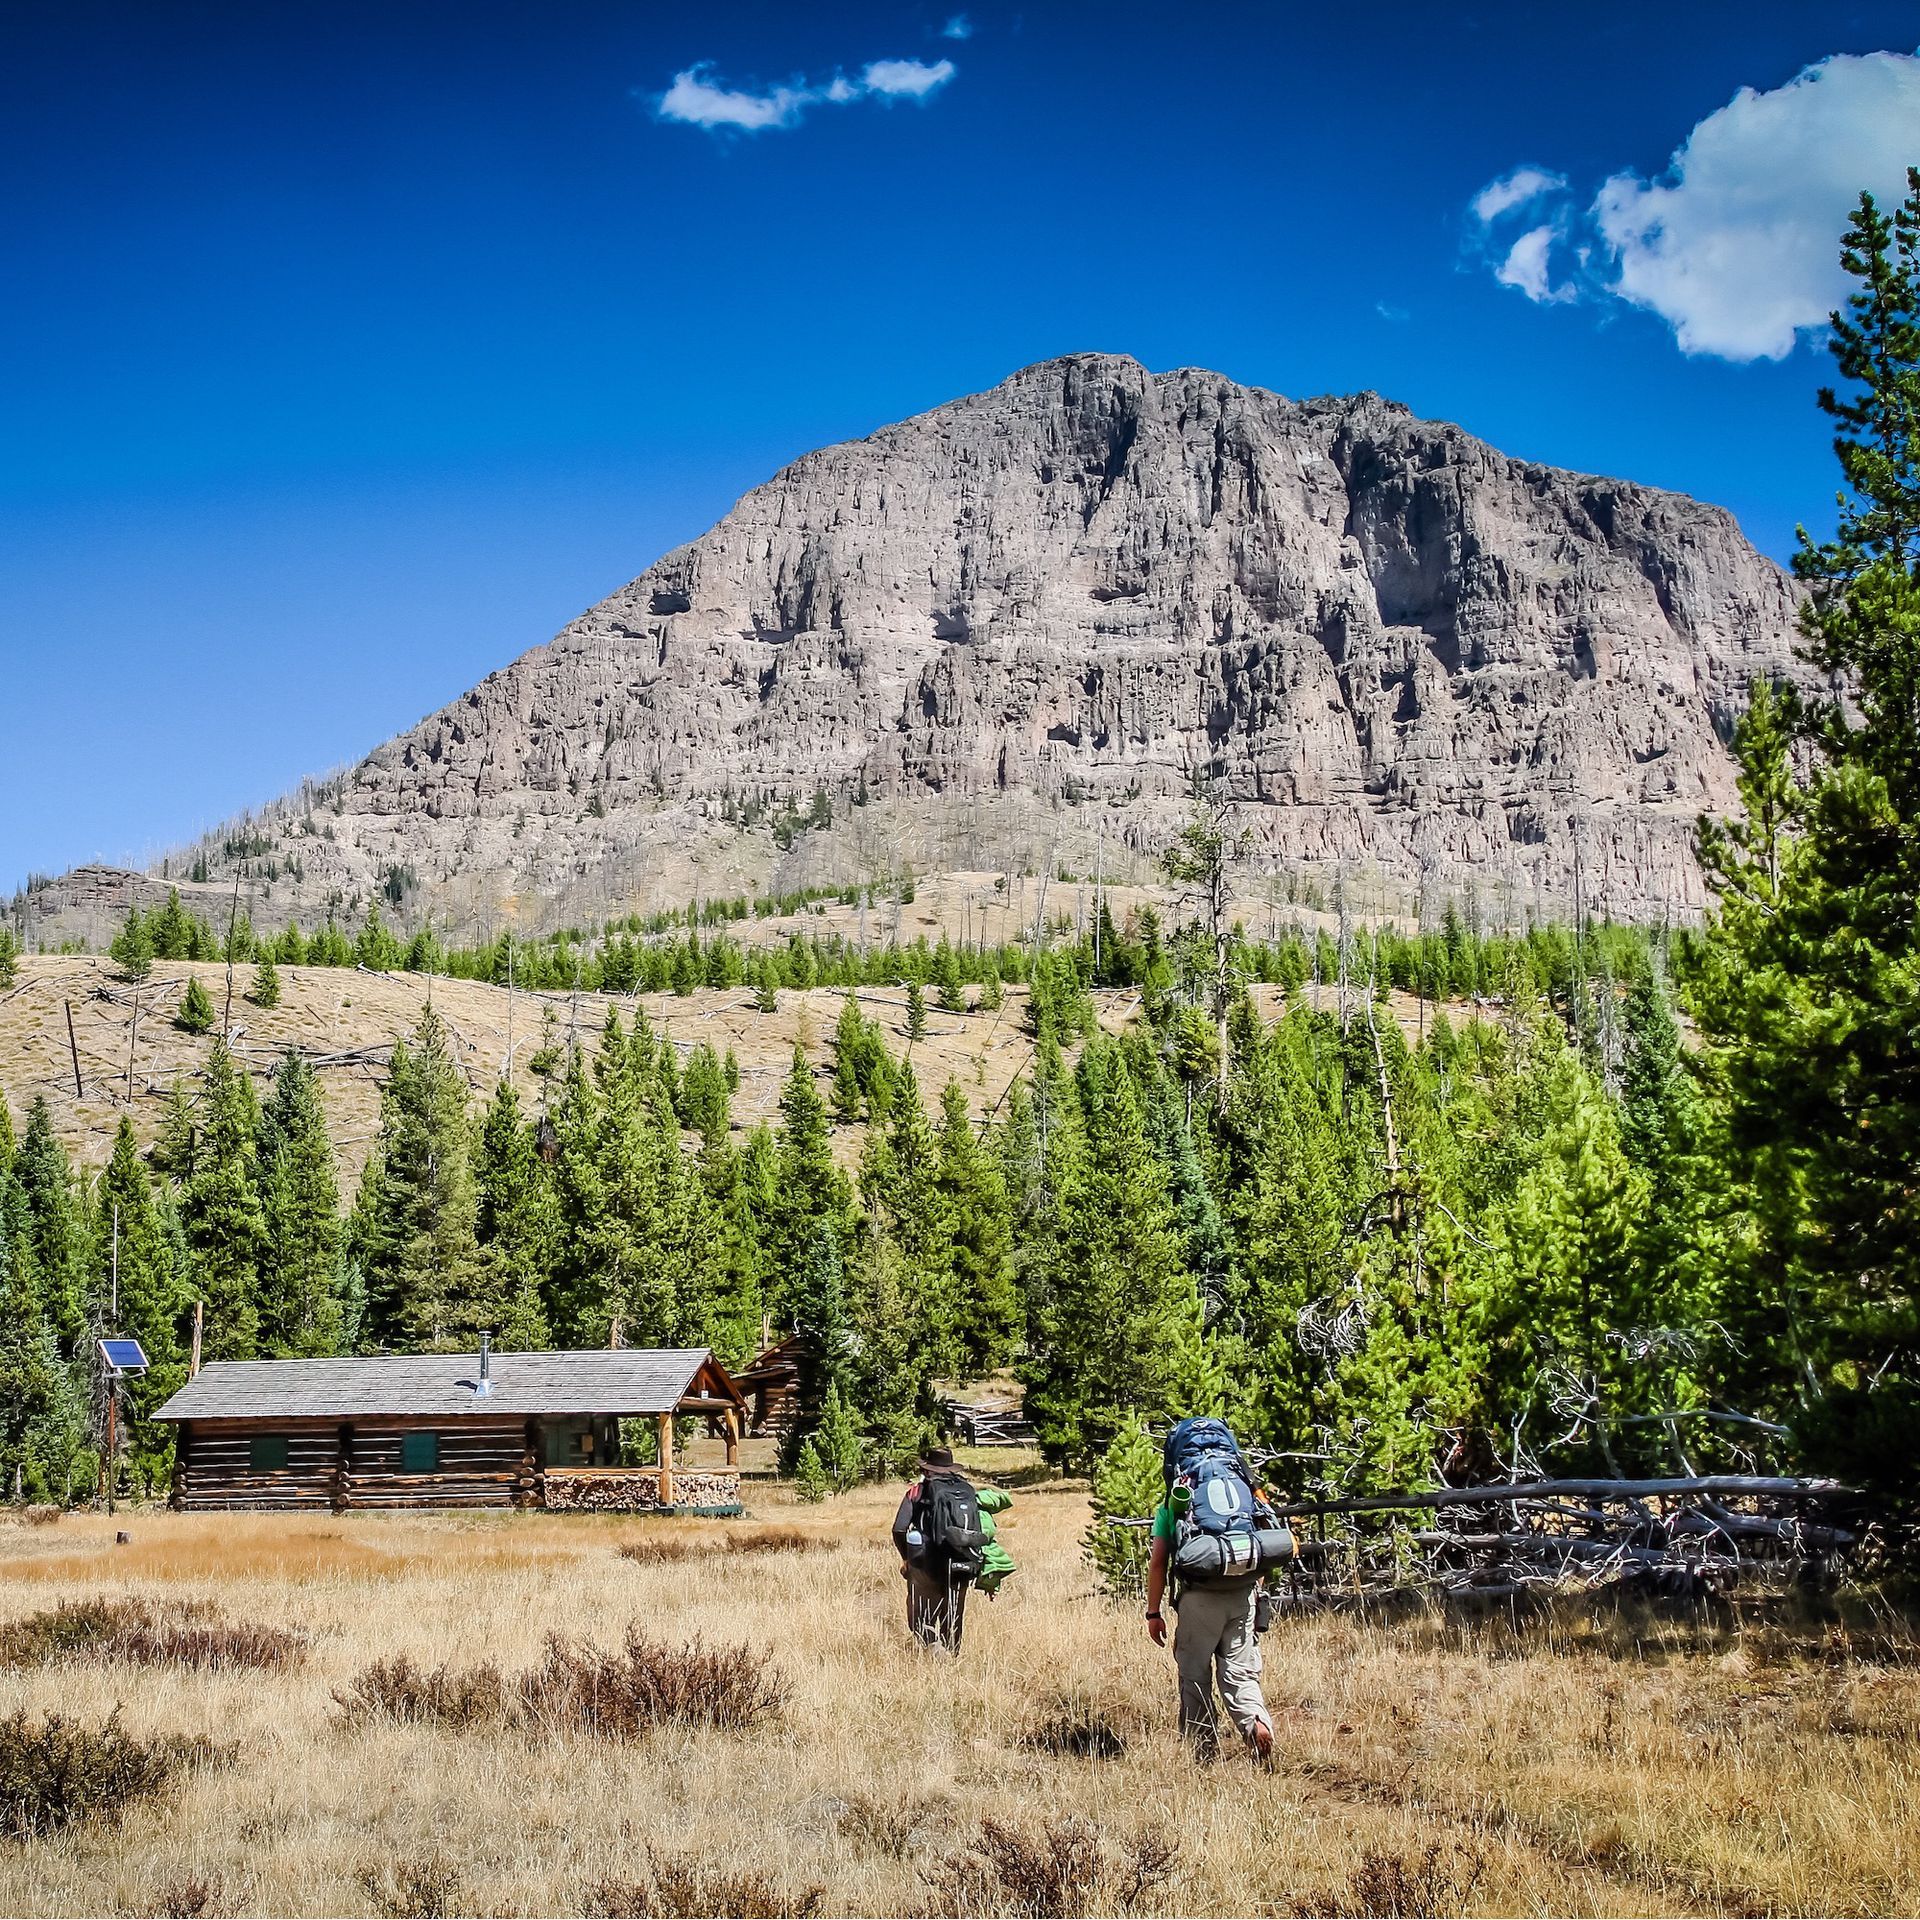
point(1009, 634)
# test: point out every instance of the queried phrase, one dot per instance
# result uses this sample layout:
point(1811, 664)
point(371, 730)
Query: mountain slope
point(997, 632)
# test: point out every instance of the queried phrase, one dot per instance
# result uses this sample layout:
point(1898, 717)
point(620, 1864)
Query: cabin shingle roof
point(625, 1380)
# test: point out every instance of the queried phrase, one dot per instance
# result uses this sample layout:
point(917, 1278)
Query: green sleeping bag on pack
point(996, 1563)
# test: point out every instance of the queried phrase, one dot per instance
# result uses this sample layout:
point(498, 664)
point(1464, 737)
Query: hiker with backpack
point(1216, 1538)
point(943, 1546)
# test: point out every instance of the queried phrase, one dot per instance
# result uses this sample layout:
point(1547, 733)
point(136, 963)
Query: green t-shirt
point(1166, 1523)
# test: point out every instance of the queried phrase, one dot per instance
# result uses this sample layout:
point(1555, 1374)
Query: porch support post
point(732, 1421)
point(343, 1468)
point(666, 1459)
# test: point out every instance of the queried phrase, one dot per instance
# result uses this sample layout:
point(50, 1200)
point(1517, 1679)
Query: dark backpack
point(1218, 1539)
point(947, 1516)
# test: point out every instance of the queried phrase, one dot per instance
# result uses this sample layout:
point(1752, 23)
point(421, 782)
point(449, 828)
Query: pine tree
point(376, 949)
point(1565, 1275)
point(413, 1225)
point(849, 1039)
point(702, 1102)
point(947, 979)
point(823, 1327)
point(221, 1213)
point(301, 1278)
point(517, 1222)
point(810, 1191)
point(50, 1227)
point(29, 1359)
point(196, 1009)
point(1115, 1321)
point(810, 1482)
point(171, 930)
point(1202, 1232)
point(639, 1221)
point(986, 1297)
point(1810, 991)
point(1293, 1178)
point(1654, 1095)
point(837, 1442)
point(734, 1271)
point(173, 1150)
point(916, 1013)
point(138, 1251)
point(265, 991)
point(132, 946)
point(1017, 1148)
point(890, 1371)
point(9, 957)
point(1128, 1484)
point(766, 985)
point(900, 1183)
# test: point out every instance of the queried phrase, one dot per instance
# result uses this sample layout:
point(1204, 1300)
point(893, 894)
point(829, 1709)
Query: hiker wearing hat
point(1217, 1539)
point(945, 1542)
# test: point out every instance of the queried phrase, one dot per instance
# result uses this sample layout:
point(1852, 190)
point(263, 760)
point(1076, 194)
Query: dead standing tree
point(1200, 864)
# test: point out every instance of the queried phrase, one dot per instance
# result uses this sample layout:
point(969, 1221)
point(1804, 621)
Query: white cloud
point(914, 79)
point(696, 99)
point(1514, 189)
point(1737, 245)
point(958, 28)
point(1529, 266)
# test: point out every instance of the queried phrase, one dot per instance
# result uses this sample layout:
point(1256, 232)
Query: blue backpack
point(1218, 1537)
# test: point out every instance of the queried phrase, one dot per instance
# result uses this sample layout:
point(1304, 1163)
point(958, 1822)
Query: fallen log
point(1724, 1485)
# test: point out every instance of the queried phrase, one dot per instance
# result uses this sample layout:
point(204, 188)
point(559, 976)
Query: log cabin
point(546, 1430)
point(771, 1383)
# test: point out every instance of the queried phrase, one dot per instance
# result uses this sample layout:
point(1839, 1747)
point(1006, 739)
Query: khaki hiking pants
point(1213, 1639)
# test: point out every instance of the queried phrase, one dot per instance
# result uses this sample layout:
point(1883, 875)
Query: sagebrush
point(145, 1633)
point(56, 1771)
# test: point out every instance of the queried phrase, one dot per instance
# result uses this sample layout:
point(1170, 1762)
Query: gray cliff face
point(1036, 613)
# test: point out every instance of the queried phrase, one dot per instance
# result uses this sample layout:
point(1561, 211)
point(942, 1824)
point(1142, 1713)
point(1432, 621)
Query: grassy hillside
point(348, 1020)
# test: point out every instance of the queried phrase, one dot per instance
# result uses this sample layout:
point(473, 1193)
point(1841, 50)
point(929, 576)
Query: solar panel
point(123, 1356)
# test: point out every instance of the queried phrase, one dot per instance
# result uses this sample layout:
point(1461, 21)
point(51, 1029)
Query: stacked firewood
point(609, 1490)
point(602, 1491)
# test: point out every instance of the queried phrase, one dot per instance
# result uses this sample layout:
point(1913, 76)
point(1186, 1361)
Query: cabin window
point(266, 1452)
point(570, 1443)
point(419, 1453)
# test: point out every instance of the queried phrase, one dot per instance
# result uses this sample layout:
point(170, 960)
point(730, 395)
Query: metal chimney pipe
point(485, 1383)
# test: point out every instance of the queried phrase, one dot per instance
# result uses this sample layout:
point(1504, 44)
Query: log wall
point(339, 1465)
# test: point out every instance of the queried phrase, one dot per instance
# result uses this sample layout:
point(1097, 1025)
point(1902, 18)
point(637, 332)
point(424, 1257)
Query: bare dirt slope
point(348, 1020)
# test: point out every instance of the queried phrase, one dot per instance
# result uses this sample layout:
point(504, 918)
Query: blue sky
point(346, 351)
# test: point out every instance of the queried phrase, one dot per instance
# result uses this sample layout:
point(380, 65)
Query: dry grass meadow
point(1419, 1769)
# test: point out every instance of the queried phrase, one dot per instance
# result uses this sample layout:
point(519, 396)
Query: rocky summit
point(1010, 634)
